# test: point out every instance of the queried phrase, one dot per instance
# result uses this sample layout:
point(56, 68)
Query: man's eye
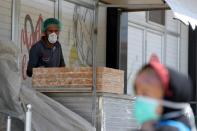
point(51, 31)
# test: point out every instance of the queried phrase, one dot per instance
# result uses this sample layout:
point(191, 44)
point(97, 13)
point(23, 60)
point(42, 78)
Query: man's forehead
point(148, 77)
point(52, 26)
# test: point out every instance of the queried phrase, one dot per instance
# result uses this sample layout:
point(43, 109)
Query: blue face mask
point(145, 109)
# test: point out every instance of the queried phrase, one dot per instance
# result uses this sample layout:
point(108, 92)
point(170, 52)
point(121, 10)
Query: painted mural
point(81, 45)
point(28, 38)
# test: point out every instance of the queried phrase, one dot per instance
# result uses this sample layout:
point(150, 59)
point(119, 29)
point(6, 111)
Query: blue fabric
point(179, 125)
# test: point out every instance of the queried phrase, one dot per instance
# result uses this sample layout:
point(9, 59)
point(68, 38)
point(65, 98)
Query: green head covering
point(50, 21)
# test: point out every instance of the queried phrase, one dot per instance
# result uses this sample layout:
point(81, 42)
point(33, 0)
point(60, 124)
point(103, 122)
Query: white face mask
point(52, 38)
point(185, 107)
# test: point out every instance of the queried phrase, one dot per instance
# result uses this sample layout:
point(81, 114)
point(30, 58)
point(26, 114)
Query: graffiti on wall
point(81, 46)
point(29, 35)
point(79, 37)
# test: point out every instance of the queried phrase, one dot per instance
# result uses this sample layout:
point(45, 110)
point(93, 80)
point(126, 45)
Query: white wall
point(137, 17)
point(135, 57)
point(172, 51)
point(183, 58)
point(169, 43)
point(171, 24)
point(5, 19)
point(154, 45)
point(101, 45)
point(172, 41)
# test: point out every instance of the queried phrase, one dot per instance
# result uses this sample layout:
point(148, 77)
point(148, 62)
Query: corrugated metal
point(34, 8)
point(135, 55)
point(184, 49)
point(101, 38)
point(172, 52)
point(171, 24)
point(118, 114)
point(5, 19)
point(154, 45)
point(114, 112)
point(137, 16)
point(82, 105)
point(170, 43)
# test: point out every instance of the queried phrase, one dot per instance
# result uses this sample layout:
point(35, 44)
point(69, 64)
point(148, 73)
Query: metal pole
point(28, 118)
point(9, 123)
point(95, 31)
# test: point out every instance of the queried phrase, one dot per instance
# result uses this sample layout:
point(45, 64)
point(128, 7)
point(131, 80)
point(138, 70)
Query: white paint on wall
point(139, 17)
point(172, 52)
point(135, 55)
point(154, 45)
point(184, 49)
point(171, 23)
point(5, 19)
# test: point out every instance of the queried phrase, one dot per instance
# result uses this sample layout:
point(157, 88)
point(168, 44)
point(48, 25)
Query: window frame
point(154, 23)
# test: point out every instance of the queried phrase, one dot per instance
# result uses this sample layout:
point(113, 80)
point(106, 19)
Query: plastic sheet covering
point(190, 115)
point(47, 114)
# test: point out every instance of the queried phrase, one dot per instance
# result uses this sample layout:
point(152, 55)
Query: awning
point(137, 5)
point(184, 10)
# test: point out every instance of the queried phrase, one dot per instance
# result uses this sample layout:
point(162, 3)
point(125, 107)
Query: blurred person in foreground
point(162, 97)
point(47, 52)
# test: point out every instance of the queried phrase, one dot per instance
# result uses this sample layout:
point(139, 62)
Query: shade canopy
point(133, 5)
point(184, 10)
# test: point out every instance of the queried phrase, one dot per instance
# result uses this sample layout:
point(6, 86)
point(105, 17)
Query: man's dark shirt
point(42, 56)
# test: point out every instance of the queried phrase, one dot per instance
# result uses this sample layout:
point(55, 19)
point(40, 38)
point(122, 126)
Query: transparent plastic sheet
point(47, 114)
point(190, 115)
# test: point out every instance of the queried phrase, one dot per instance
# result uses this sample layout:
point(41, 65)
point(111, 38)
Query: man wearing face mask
point(47, 52)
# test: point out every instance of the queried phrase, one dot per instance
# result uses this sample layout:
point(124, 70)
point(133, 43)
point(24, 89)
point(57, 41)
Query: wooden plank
point(77, 79)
